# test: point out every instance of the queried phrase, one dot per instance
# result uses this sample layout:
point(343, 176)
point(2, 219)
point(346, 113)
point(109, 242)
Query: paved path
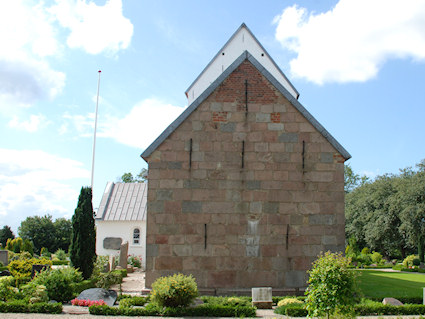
point(133, 284)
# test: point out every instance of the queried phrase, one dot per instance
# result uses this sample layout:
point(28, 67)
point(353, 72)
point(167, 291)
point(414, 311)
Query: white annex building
point(121, 217)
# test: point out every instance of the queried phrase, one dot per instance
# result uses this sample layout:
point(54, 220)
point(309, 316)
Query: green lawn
point(378, 284)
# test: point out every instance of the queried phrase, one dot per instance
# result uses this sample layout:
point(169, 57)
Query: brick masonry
point(250, 209)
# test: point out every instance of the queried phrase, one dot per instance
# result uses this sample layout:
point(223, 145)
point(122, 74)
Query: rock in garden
point(108, 296)
point(392, 301)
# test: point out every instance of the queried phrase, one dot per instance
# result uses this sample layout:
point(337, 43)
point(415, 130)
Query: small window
point(136, 236)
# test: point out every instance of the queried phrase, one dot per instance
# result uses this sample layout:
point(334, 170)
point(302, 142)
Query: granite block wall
point(245, 192)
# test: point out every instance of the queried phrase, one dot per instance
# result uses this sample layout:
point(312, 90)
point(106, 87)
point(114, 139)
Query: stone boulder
point(108, 296)
point(392, 301)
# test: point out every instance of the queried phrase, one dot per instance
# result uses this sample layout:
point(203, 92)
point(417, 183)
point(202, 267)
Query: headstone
point(112, 243)
point(4, 257)
point(124, 255)
point(111, 263)
point(108, 296)
point(262, 298)
point(38, 268)
point(392, 302)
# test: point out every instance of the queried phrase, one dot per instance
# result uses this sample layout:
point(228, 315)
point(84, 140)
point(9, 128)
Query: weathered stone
point(228, 127)
point(112, 243)
point(262, 298)
point(108, 296)
point(4, 257)
point(392, 302)
point(123, 255)
point(288, 138)
point(152, 250)
point(111, 262)
point(191, 207)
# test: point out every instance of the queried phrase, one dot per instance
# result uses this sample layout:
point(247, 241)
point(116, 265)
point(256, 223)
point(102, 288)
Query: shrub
point(292, 310)
point(60, 282)
point(174, 291)
point(365, 251)
point(58, 262)
point(205, 310)
point(106, 280)
point(287, 301)
point(376, 257)
point(7, 292)
point(416, 262)
point(39, 295)
point(21, 306)
point(78, 287)
point(60, 254)
point(408, 261)
point(133, 301)
point(134, 261)
point(44, 252)
point(20, 269)
point(331, 285)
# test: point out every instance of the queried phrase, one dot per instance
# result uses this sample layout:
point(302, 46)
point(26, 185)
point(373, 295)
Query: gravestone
point(112, 243)
point(4, 257)
point(262, 298)
point(123, 255)
point(108, 296)
point(111, 262)
point(38, 268)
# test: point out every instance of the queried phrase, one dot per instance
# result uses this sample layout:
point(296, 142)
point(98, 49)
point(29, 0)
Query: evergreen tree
point(83, 238)
point(5, 234)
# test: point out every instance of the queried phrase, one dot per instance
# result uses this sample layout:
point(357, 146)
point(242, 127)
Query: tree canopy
point(129, 178)
point(42, 231)
point(388, 214)
point(5, 233)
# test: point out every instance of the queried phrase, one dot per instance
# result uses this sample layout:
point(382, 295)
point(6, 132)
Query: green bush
point(134, 301)
point(60, 254)
point(292, 310)
point(174, 291)
point(7, 291)
point(60, 282)
point(365, 251)
point(331, 285)
point(287, 301)
point(205, 310)
point(376, 257)
point(78, 287)
point(106, 280)
point(20, 269)
point(44, 252)
point(408, 261)
point(58, 262)
point(21, 306)
point(389, 310)
point(416, 262)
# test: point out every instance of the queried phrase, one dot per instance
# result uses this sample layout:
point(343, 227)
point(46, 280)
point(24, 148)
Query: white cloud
point(94, 28)
point(353, 40)
point(142, 125)
point(35, 182)
point(34, 123)
point(27, 38)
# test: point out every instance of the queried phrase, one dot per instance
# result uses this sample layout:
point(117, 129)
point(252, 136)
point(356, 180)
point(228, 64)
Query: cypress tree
point(83, 238)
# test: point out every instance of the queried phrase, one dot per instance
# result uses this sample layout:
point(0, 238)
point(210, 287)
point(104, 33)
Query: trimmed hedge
point(204, 310)
point(292, 310)
point(389, 310)
point(21, 306)
point(60, 262)
point(133, 301)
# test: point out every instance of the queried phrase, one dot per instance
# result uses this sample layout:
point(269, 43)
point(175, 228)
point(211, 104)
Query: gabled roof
point(242, 40)
point(246, 56)
point(123, 202)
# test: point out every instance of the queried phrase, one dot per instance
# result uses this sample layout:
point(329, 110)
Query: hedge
point(389, 310)
point(204, 310)
point(20, 306)
point(292, 310)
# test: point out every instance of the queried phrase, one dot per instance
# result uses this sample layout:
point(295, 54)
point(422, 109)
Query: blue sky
point(358, 65)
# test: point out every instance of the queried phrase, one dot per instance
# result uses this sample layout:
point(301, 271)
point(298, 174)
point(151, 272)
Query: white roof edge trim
point(242, 40)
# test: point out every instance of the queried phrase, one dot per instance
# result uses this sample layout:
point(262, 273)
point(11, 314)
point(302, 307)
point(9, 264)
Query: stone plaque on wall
point(112, 243)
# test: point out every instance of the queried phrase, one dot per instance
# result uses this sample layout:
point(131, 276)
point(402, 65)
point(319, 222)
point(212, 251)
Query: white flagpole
point(95, 129)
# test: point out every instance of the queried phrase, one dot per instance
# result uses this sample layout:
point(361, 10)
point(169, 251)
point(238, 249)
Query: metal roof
point(245, 56)
point(123, 202)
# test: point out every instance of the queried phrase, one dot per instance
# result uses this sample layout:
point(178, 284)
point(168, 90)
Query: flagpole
point(95, 129)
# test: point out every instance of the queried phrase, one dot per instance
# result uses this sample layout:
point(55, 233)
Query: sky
point(359, 66)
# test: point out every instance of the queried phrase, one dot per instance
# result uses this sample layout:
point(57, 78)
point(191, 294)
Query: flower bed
point(87, 303)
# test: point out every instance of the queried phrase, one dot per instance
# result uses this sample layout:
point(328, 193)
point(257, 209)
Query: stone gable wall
point(243, 199)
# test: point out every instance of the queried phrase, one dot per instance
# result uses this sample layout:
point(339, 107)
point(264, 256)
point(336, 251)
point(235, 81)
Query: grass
point(379, 284)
